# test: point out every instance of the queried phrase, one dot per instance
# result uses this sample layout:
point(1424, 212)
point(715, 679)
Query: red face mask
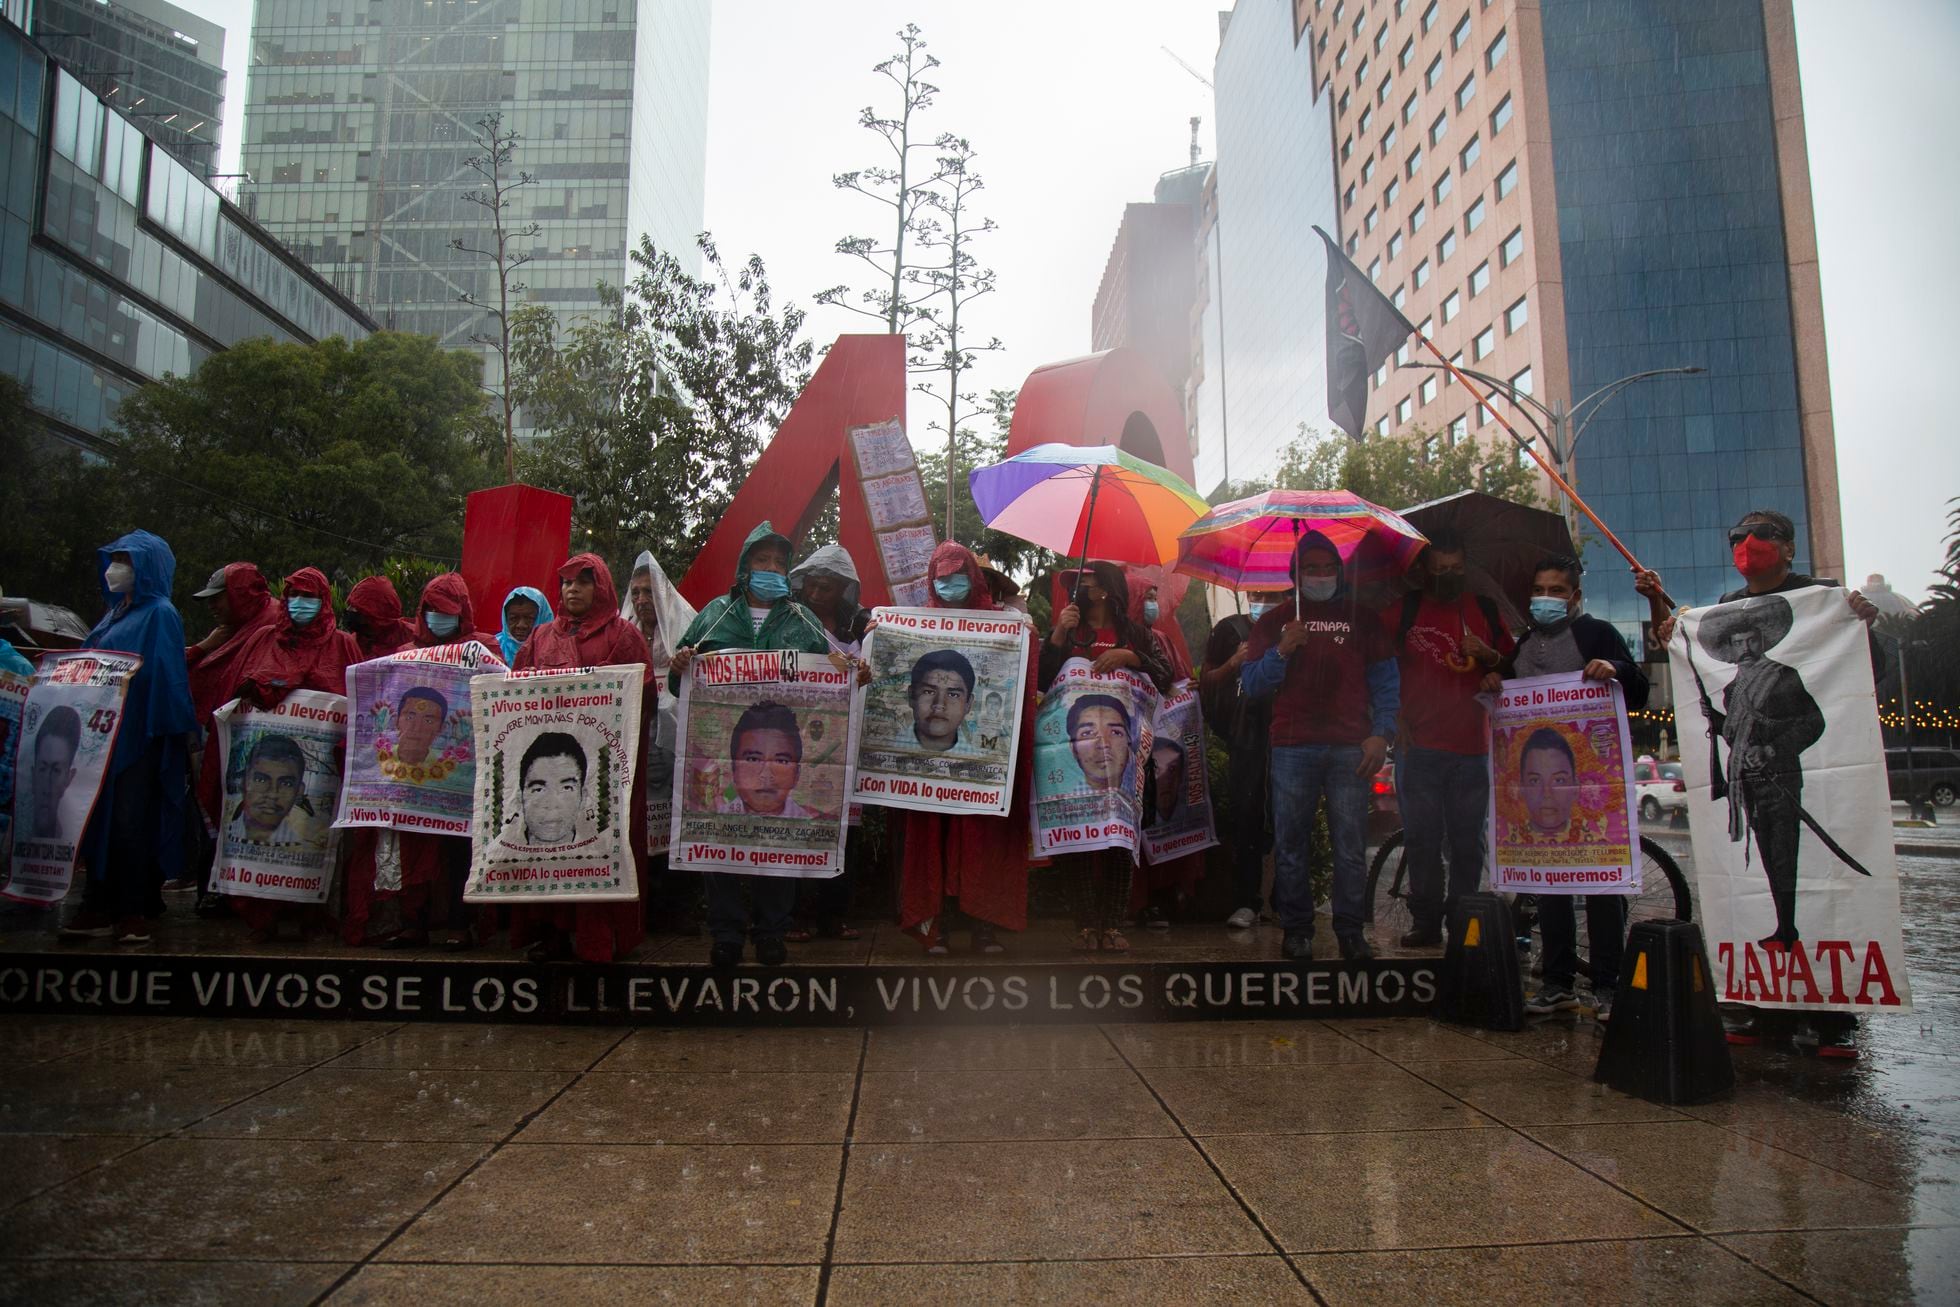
point(1754, 557)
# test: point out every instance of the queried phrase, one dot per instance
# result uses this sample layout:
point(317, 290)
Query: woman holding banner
point(1097, 626)
point(970, 864)
point(1154, 597)
point(588, 632)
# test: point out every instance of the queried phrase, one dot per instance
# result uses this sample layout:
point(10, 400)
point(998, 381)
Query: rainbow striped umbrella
point(1087, 501)
point(1248, 544)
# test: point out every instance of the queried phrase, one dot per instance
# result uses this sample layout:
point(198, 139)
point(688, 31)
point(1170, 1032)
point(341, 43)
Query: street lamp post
point(1561, 444)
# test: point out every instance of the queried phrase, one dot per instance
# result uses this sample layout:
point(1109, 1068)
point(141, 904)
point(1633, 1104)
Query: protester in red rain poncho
point(296, 651)
point(243, 605)
point(445, 617)
point(374, 617)
point(1161, 886)
point(587, 632)
point(978, 862)
point(428, 907)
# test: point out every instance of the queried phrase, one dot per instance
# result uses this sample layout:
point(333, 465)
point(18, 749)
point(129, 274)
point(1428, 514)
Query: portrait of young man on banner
point(1182, 822)
point(929, 742)
point(13, 704)
point(555, 754)
point(411, 755)
point(67, 733)
point(1092, 735)
point(1788, 803)
point(282, 772)
point(762, 783)
point(1562, 809)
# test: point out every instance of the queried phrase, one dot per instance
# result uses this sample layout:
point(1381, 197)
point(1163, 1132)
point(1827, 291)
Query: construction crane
point(1195, 119)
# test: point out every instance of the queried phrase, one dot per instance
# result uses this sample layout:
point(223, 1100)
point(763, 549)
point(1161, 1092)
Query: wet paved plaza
point(199, 1160)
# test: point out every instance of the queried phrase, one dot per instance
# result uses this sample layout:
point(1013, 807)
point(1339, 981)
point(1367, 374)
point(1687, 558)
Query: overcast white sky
point(1076, 110)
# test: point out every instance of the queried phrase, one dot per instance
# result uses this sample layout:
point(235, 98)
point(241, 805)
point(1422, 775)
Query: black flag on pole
point(1363, 329)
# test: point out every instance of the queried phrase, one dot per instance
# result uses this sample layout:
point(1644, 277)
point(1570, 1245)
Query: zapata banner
point(68, 728)
point(1183, 821)
point(1562, 796)
point(942, 715)
point(763, 778)
point(281, 771)
point(554, 784)
point(13, 704)
point(411, 740)
point(1788, 803)
point(1090, 735)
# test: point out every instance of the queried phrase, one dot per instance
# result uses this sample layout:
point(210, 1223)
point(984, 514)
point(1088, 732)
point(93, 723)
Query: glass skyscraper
point(162, 66)
point(1559, 196)
point(358, 123)
point(118, 264)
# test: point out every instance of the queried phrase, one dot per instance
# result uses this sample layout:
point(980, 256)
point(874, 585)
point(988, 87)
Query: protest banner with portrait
point(1183, 820)
point(1788, 803)
point(13, 703)
point(554, 786)
point(68, 727)
point(1090, 736)
point(763, 779)
point(411, 739)
point(942, 715)
point(657, 771)
point(1562, 794)
point(281, 769)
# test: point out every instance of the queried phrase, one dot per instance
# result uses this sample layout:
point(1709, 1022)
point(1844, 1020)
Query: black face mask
point(1446, 588)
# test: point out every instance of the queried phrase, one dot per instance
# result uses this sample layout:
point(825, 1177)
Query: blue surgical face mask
point(769, 586)
point(1546, 610)
point(1258, 610)
point(302, 609)
point(953, 589)
point(1151, 611)
point(1318, 589)
point(442, 625)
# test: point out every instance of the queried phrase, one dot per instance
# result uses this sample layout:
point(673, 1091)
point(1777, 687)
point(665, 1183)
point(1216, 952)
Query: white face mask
point(119, 577)
point(1319, 589)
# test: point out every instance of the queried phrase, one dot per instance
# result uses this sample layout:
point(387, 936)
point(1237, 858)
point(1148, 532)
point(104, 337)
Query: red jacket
point(213, 674)
point(597, 639)
point(282, 657)
point(382, 629)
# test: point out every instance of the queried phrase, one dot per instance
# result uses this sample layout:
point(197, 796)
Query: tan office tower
point(1563, 195)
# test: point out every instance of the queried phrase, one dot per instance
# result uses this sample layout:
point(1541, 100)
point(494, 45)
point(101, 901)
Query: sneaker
point(1243, 919)
point(88, 925)
point(1743, 1029)
point(132, 930)
point(1155, 918)
point(1830, 1041)
point(1356, 948)
point(771, 952)
point(1552, 998)
point(1298, 946)
point(1423, 937)
point(1602, 1005)
point(725, 957)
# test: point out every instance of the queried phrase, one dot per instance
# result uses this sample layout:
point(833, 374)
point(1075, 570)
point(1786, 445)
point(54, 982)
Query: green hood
point(763, 531)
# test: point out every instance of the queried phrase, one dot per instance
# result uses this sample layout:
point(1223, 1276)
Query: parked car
point(1936, 773)
point(1663, 788)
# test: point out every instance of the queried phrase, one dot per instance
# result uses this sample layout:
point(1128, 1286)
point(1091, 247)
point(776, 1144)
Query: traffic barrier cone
point(1665, 1042)
point(1480, 985)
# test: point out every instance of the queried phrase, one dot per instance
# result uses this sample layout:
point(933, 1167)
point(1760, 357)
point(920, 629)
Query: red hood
point(979, 596)
point(309, 582)
point(598, 639)
point(247, 595)
point(1170, 593)
point(250, 601)
point(284, 658)
point(382, 629)
point(605, 599)
point(447, 593)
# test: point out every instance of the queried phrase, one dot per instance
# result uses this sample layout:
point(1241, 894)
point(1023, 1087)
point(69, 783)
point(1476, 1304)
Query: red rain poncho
point(382, 629)
point(980, 861)
point(600, 932)
point(212, 674)
point(283, 657)
point(449, 593)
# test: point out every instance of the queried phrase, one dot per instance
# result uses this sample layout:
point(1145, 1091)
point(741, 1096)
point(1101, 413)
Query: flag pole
point(1564, 486)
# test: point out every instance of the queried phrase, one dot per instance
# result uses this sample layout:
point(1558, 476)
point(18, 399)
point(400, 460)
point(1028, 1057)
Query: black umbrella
point(1502, 542)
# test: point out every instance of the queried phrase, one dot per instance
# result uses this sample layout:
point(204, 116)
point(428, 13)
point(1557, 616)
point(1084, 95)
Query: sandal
point(841, 930)
point(1087, 941)
point(1113, 942)
point(798, 935)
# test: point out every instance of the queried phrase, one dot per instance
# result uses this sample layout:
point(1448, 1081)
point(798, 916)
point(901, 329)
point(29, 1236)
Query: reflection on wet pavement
point(193, 1159)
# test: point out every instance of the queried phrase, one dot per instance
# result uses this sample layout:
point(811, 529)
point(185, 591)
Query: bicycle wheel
point(1388, 891)
point(1663, 896)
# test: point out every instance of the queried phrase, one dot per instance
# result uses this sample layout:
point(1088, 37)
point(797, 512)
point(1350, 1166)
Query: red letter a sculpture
point(861, 381)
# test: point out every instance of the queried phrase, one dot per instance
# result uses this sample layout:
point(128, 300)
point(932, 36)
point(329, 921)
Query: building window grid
point(1472, 151)
point(1394, 246)
point(1507, 180)
point(1414, 164)
point(1500, 117)
point(1473, 217)
point(1480, 279)
point(1460, 33)
point(1452, 306)
point(1446, 246)
point(1432, 74)
point(1466, 91)
point(1516, 316)
point(1409, 106)
point(1427, 391)
point(1441, 190)
point(1429, 16)
point(1439, 128)
point(1513, 247)
point(1418, 216)
point(1495, 52)
point(1485, 344)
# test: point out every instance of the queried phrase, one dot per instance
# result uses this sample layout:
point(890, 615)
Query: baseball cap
point(215, 585)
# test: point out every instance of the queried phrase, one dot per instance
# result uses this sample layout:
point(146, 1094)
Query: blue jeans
point(1445, 800)
point(1302, 775)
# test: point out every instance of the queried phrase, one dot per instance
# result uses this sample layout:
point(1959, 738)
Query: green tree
point(333, 454)
point(497, 148)
point(655, 407)
point(1401, 471)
